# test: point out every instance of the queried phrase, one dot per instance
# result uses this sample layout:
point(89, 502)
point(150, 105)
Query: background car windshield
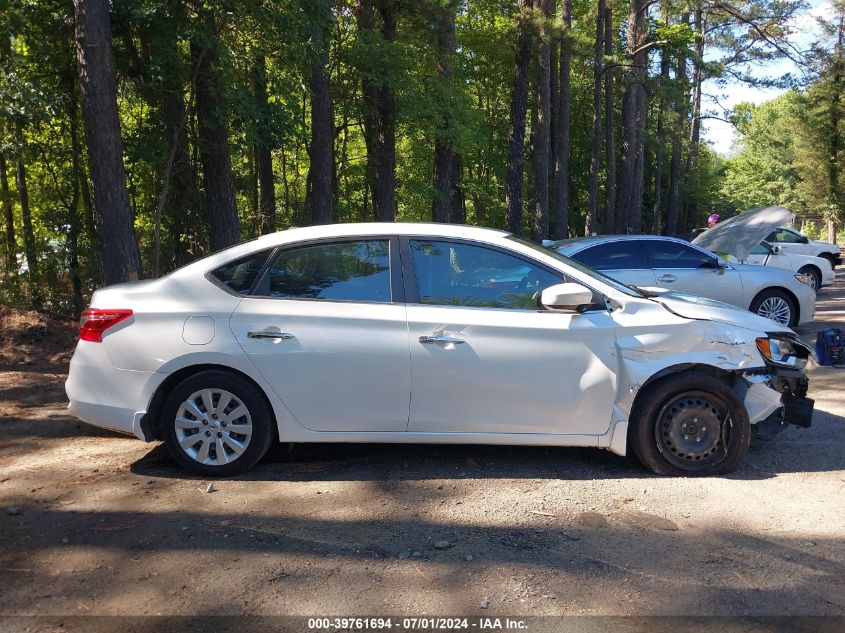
point(345, 271)
point(454, 273)
point(239, 275)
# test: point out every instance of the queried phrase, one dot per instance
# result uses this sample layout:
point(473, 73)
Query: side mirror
point(568, 296)
point(775, 249)
point(803, 240)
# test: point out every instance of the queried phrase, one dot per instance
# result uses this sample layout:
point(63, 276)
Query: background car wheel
point(775, 305)
point(217, 423)
point(831, 258)
point(689, 424)
point(814, 274)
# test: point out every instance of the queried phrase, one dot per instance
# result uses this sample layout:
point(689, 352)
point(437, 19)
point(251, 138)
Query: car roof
point(575, 244)
point(433, 229)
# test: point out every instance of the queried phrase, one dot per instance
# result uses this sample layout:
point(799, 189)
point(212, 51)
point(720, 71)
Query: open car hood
point(738, 235)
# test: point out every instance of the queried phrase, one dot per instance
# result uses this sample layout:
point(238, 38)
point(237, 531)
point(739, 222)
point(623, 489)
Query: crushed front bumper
point(765, 387)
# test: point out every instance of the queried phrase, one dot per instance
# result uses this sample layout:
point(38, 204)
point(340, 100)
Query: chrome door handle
point(667, 279)
point(271, 335)
point(441, 339)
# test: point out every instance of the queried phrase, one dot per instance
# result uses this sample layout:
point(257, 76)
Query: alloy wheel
point(213, 426)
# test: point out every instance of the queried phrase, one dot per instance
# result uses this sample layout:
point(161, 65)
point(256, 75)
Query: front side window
point(666, 254)
point(344, 271)
point(457, 274)
point(620, 255)
point(785, 236)
point(239, 275)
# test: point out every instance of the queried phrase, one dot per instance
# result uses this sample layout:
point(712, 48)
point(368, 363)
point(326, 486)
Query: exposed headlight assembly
point(783, 350)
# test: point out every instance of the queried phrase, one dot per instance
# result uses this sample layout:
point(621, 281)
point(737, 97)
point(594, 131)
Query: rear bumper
point(102, 395)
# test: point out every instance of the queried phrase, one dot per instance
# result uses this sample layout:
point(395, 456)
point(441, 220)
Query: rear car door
point(621, 259)
point(326, 327)
point(679, 266)
point(485, 359)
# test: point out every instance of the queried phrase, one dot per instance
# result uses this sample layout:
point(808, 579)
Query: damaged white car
point(742, 238)
point(427, 334)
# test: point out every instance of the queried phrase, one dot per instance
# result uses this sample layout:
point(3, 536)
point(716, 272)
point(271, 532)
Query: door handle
point(667, 279)
point(282, 336)
point(441, 339)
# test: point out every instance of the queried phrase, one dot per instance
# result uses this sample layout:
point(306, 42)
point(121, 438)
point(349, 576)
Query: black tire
point(815, 273)
point(679, 408)
point(831, 258)
point(773, 294)
point(243, 392)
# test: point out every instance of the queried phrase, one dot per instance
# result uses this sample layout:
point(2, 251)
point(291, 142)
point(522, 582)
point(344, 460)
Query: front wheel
point(689, 424)
point(775, 305)
point(217, 423)
point(814, 275)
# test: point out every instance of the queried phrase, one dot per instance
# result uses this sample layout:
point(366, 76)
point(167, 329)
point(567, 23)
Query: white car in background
point(794, 243)
point(429, 334)
point(742, 239)
point(649, 261)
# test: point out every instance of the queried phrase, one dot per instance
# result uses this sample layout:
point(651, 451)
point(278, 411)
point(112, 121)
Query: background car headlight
point(804, 279)
point(783, 351)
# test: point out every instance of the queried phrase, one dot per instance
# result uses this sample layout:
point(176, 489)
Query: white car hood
point(694, 307)
point(738, 235)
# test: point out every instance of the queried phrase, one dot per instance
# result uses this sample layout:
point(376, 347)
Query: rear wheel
point(814, 275)
point(775, 305)
point(689, 424)
point(217, 423)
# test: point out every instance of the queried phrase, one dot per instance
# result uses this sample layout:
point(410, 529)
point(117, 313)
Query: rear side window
point(666, 254)
point(239, 275)
point(621, 255)
point(345, 271)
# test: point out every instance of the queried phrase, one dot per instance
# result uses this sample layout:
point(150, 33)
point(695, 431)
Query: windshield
point(610, 281)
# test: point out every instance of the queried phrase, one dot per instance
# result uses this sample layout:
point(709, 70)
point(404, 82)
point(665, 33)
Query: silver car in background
point(676, 265)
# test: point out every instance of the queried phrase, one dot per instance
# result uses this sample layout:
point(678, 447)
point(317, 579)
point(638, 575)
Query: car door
point(679, 266)
point(485, 359)
point(326, 327)
point(621, 259)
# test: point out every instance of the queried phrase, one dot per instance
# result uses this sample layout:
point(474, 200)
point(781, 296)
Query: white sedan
point(674, 264)
point(427, 334)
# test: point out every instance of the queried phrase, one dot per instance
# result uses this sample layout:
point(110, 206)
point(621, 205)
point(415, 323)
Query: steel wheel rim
point(693, 430)
point(213, 427)
point(777, 309)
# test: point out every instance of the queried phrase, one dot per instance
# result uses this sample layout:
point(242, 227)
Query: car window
point(668, 254)
point(761, 249)
point(620, 255)
point(345, 271)
point(457, 274)
point(239, 274)
point(785, 236)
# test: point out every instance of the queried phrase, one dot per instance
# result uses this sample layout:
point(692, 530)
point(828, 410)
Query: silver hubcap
point(776, 309)
point(213, 427)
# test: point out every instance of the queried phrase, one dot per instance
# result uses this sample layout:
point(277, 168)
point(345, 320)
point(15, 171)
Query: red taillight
point(95, 321)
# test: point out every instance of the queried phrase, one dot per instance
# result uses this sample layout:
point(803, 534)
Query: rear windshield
point(239, 275)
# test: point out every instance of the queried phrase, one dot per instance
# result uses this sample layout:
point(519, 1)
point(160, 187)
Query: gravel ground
point(92, 523)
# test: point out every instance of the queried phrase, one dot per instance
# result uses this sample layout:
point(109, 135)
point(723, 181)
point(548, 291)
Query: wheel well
point(814, 267)
point(788, 293)
point(698, 368)
point(828, 256)
point(151, 422)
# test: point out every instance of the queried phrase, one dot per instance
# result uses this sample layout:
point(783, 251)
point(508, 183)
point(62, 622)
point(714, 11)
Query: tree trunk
point(560, 214)
point(263, 150)
point(695, 122)
point(121, 260)
point(446, 160)
point(75, 222)
point(213, 139)
point(673, 213)
point(660, 158)
point(29, 248)
point(320, 196)
point(609, 125)
point(9, 220)
point(591, 225)
point(518, 110)
point(628, 208)
point(542, 138)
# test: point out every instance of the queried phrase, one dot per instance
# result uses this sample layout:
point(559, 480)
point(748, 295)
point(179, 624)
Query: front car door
point(789, 241)
point(685, 268)
point(485, 359)
point(326, 327)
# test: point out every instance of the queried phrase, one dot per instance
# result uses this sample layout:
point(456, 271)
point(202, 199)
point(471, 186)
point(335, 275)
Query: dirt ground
point(93, 523)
